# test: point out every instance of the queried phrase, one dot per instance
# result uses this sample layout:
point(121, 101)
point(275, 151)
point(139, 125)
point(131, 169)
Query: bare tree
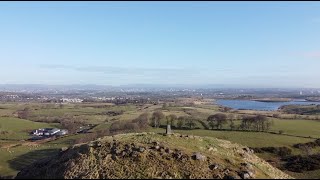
point(247, 122)
point(307, 150)
point(181, 121)
point(232, 125)
point(71, 125)
point(231, 117)
point(25, 113)
point(217, 120)
point(142, 120)
point(190, 122)
point(171, 119)
point(165, 106)
point(260, 122)
point(157, 116)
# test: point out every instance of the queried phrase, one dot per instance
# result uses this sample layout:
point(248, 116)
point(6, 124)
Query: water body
point(262, 106)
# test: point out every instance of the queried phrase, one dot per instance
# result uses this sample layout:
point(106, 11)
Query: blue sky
point(256, 44)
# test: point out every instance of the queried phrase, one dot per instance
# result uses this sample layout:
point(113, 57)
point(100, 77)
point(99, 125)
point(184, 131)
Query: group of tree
point(71, 124)
point(137, 124)
point(217, 120)
point(173, 120)
point(24, 114)
point(156, 118)
point(255, 123)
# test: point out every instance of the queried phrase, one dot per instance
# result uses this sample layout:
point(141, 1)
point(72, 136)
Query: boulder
point(212, 149)
point(155, 143)
point(114, 157)
point(141, 149)
point(177, 154)
point(214, 166)
point(64, 149)
point(246, 174)
point(198, 156)
point(157, 147)
point(168, 150)
point(229, 177)
point(247, 165)
point(248, 150)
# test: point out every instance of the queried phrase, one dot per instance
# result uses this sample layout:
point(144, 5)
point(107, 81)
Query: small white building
point(49, 132)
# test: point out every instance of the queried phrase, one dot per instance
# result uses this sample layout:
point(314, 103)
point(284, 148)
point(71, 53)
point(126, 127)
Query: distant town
point(67, 94)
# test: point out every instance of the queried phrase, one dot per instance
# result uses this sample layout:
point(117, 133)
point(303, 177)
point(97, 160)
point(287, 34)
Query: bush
point(307, 145)
point(284, 151)
point(257, 150)
point(280, 151)
point(299, 163)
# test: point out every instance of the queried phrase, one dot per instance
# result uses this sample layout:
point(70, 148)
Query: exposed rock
point(141, 149)
point(184, 158)
point(155, 143)
point(226, 171)
point(168, 150)
point(123, 153)
point(214, 166)
point(248, 150)
point(229, 177)
point(247, 165)
point(212, 149)
point(134, 154)
point(111, 160)
point(114, 157)
point(177, 154)
point(198, 156)
point(64, 149)
point(246, 174)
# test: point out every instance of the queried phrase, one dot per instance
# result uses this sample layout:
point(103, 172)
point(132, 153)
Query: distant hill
point(149, 155)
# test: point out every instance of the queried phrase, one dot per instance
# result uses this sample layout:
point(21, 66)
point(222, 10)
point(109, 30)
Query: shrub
point(303, 163)
point(280, 151)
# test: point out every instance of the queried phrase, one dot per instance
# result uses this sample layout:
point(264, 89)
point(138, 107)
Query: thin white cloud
point(314, 54)
point(136, 70)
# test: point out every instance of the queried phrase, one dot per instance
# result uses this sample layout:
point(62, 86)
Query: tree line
point(248, 123)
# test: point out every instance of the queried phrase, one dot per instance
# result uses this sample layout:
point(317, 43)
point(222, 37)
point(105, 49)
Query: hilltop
point(151, 155)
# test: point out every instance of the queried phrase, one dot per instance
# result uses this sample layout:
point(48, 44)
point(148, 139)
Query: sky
point(254, 44)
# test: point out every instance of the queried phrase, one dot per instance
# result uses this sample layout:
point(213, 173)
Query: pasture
point(14, 130)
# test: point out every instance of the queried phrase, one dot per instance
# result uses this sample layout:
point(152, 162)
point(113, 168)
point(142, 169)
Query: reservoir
point(256, 105)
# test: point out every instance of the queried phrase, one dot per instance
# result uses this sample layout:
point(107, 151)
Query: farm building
point(49, 132)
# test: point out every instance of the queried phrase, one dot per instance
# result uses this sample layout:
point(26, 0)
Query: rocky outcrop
point(149, 155)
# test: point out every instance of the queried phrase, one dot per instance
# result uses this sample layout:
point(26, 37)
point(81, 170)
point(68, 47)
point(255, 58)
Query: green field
point(251, 139)
point(18, 129)
point(298, 127)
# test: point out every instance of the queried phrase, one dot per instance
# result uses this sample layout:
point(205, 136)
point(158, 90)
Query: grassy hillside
point(139, 156)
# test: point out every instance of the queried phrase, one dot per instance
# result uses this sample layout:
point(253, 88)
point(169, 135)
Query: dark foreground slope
point(149, 155)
